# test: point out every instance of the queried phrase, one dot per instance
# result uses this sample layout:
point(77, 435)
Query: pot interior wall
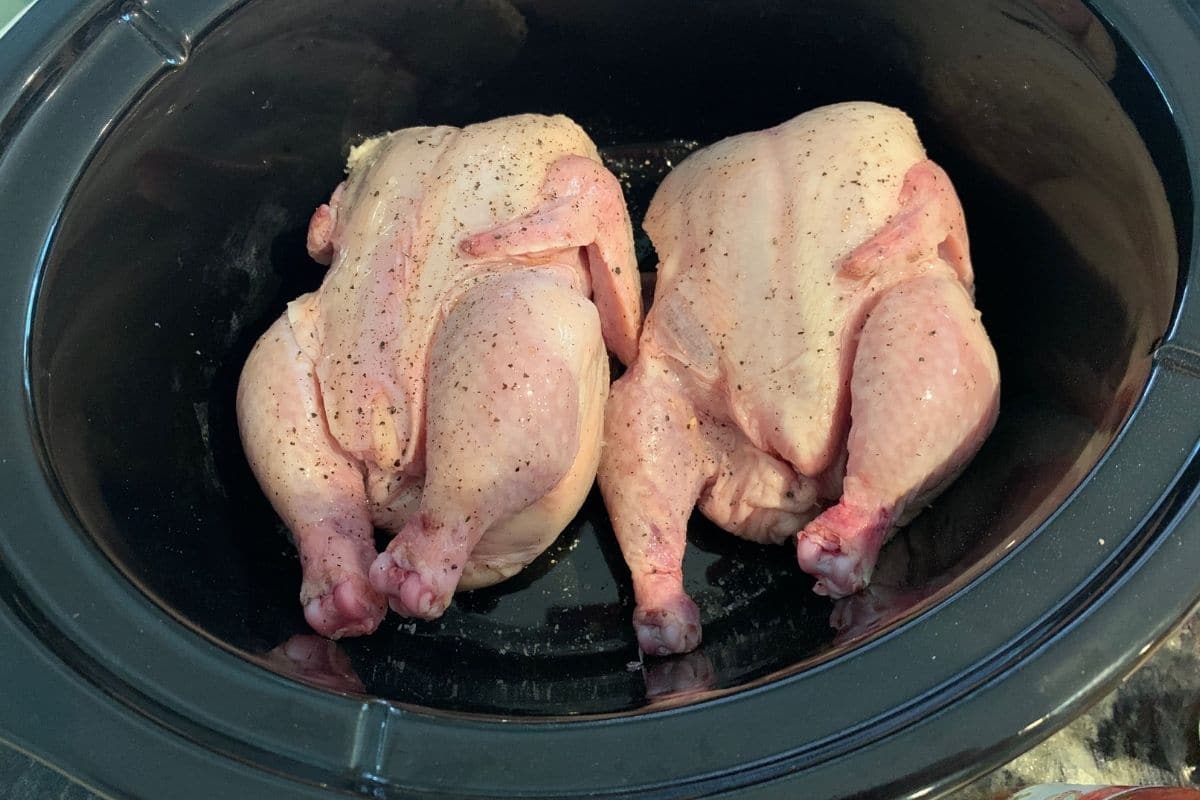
point(185, 237)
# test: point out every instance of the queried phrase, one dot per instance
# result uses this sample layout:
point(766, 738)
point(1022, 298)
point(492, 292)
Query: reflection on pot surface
point(316, 660)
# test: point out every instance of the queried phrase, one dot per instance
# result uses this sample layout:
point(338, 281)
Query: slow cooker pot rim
point(172, 692)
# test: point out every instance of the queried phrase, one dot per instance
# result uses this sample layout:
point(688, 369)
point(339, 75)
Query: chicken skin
point(812, 364)
point(447, 381)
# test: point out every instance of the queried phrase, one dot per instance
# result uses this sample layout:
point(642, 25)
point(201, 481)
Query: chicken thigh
point(812, 364)
point(447, 381)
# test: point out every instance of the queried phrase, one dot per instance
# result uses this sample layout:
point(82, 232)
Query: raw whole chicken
point(812, 363)
point(447, 381)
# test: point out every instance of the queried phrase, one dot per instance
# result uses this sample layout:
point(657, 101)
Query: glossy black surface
point(185, 236)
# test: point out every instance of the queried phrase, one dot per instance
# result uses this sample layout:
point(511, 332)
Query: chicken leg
point(923, 394)
point(313, 484)
point(516, 368)
point(656, 462)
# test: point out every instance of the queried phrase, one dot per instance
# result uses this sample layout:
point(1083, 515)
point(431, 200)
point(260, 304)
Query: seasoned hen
point(812, 364)
point(447, 381)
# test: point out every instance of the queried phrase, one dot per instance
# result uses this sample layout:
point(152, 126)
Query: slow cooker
point(159, 160)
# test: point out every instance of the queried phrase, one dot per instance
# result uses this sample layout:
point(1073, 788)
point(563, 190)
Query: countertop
point(1143, 733)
